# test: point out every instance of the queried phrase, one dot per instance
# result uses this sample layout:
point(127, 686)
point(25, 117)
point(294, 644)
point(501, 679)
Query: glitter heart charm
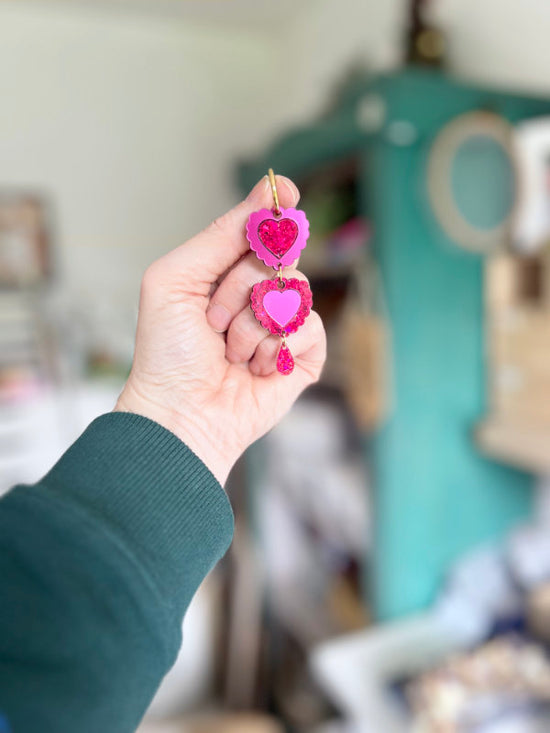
point(277, 236)
point(281, 305)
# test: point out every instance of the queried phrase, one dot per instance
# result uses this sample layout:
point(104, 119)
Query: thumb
point(211, 253)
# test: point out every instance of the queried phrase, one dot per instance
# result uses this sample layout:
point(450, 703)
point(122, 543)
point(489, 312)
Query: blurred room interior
point(390, 570)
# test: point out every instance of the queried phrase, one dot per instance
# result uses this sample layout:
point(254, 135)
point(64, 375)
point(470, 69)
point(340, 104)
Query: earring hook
point(271, 176)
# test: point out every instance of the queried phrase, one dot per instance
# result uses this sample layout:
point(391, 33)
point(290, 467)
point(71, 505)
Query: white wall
point(500, 43)
point(130, 123)
point(334, 37)
point(132, 120)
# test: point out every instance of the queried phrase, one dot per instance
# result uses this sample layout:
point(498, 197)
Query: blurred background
point(391, 564)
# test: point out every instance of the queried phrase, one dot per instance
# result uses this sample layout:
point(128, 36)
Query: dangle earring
point(277, 236)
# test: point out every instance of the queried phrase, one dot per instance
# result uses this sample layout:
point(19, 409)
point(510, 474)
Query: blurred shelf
point(520, 445)
point(331, 272)
point(436, 311)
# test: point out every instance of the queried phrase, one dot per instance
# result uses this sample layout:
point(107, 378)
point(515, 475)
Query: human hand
point(203, 366)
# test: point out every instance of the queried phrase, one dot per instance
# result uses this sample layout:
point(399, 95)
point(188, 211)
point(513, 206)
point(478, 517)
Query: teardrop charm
point(285, 362)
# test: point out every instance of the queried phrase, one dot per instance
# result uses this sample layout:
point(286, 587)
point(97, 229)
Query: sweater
point(98, 563)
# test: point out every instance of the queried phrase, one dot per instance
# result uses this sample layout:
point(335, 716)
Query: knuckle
point(244, 329)
point(316, 326)
point(267, 349)
point(242, 339)
point(219, 225)
point(298, 275)
point(316, 375)
point(243, 276)
point(150, 279)
point(216, 225)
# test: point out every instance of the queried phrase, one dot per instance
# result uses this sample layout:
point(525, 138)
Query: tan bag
point(365, 349)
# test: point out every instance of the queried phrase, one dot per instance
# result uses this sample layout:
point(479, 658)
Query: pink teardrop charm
point(285, 362)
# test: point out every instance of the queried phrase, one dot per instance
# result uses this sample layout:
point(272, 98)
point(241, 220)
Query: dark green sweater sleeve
point(98, 563)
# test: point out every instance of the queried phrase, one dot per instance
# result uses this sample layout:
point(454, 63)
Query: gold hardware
point(274, 191)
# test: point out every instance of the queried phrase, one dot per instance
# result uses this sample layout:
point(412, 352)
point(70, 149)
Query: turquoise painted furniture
point(436, 496)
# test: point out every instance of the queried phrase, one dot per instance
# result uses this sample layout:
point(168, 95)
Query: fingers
point(207, 256)
point(244, 333)
point(233, 294)
point(308, 347)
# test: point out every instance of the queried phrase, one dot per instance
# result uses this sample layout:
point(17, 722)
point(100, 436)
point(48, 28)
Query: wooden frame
point(25, 248)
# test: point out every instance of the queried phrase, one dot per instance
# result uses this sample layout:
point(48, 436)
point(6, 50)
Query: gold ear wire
point(271, 176)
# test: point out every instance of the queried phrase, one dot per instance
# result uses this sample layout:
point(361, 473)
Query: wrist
point(218, 459)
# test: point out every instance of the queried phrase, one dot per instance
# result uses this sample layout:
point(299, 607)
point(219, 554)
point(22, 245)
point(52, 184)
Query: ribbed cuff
point(139, 482)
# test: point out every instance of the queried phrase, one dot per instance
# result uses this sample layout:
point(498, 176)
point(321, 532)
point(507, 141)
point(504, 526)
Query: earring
point(277, 236)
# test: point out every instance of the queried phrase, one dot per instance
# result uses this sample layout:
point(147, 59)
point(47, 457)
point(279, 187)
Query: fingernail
point(292, 187)
point(259, 189)
point(218, 317)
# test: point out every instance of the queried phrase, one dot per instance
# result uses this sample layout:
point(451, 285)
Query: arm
point(99, 560)
point(98, 563)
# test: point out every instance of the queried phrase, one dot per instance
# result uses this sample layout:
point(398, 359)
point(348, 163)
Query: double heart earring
point(277, 236)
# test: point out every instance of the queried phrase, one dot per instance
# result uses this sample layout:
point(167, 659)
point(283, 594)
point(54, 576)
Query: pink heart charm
point(281, 307)
point(277, 240)
point(278, 236)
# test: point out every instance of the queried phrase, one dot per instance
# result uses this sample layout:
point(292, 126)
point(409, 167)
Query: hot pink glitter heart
point(282, 305)
point(281, 308)
point(278, 239)
point(278, 236)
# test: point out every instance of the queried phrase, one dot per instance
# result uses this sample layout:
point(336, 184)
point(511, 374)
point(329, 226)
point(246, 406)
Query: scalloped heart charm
point(277, 239)
point(281, 307)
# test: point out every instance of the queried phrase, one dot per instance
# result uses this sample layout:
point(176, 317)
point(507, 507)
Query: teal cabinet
point(435, 496)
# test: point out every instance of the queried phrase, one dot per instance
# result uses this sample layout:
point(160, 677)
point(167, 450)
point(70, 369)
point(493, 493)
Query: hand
point(203, 366)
